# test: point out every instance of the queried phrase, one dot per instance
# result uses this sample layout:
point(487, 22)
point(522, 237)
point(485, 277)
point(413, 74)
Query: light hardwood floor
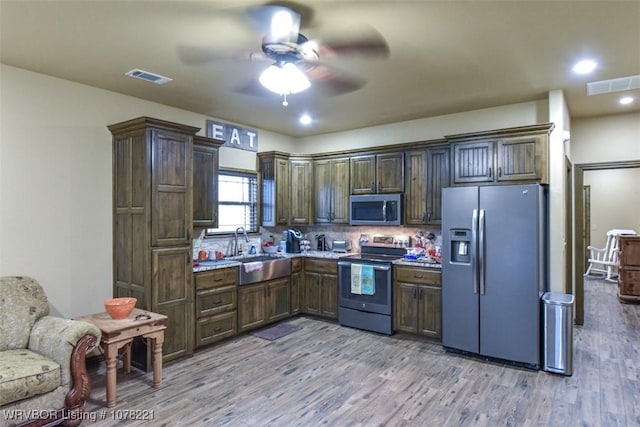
point(325, 374)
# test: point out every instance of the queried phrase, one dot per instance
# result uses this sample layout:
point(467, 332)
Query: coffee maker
point(292, 237)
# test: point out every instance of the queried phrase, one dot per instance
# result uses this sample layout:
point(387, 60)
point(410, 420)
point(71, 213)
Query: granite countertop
point(199, 266)
point(417, 263)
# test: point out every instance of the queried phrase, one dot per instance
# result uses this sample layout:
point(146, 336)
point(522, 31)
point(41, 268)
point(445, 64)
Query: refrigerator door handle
point(481, 251)
point(474, 262)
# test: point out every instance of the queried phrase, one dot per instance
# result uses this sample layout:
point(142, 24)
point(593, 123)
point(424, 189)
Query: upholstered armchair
point(43, 376)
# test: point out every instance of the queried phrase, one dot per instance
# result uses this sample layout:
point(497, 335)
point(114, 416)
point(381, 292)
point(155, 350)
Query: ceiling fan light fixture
point(284, 79)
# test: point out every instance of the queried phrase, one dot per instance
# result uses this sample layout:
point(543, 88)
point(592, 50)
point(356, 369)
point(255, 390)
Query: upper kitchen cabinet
point(377, 173)
point(427, 174)
point(331, 191)
point(273, 170)
point(515, 154)
point(301, 196)
point(152, 223)
point(205, 181)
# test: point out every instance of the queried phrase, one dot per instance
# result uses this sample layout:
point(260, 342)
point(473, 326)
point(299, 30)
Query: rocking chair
point(604, 260)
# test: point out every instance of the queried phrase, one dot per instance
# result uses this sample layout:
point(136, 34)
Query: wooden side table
point(117, 334)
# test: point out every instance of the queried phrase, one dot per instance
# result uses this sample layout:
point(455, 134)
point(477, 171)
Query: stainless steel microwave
point(375, 209)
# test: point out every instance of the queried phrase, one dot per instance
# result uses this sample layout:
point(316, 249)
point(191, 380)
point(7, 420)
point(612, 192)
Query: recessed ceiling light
point(626, 100)
point(305, 119)
point(585, 66)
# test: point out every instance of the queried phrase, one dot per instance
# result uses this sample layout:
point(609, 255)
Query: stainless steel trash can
point(557, 320)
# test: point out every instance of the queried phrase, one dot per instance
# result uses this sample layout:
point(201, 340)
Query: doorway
point(579, 240)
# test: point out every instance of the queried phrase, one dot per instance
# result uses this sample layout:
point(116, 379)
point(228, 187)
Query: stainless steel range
point(365, 300)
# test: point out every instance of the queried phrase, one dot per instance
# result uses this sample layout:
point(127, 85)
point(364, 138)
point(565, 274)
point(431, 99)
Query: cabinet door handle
point(415, 291)
point(499, 171)
point(373, 186)
point(421, 294)
point(379, 186)
point(424, 217)
point(490, 173)
point(429, 216)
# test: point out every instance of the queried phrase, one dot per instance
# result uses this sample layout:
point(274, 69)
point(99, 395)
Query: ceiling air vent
point(613, 85)
point(147, 76)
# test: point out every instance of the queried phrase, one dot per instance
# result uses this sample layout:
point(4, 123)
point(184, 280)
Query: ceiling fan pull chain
point(284, 102)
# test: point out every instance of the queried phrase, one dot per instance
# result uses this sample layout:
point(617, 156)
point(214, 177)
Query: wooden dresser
point(629, 268)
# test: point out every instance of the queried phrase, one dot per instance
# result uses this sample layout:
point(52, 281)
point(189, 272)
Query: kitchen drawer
point(316, 265)
point(416, 275)
point(296, 264)
point(216, 328)
point(216, 278)
point(216, 300)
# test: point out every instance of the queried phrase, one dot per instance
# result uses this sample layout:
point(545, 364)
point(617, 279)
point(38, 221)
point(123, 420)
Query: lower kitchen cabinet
point(263, 303)
point(296, 285)
point(417, 307)
point(216, 305)
point(321, 288)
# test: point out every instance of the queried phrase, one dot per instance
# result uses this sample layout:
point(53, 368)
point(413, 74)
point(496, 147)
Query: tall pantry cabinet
point(152, 225)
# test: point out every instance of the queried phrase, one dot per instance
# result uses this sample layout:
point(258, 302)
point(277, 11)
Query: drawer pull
point(418, 276)
point(219, 279)
point(218, 302)
point(218, 329)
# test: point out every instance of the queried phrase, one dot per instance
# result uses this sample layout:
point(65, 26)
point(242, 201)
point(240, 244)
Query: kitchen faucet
point(235, 234)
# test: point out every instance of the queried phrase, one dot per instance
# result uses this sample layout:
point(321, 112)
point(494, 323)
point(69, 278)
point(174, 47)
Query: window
point(237, 202)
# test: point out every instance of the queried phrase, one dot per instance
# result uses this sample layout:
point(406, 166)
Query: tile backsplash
point(331, 232)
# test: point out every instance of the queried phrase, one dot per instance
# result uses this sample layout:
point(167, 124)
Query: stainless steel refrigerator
point(494, 270)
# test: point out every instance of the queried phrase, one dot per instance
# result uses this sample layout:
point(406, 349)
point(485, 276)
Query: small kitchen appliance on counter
point(322, 242)
point(292, 238)
point(341, 246)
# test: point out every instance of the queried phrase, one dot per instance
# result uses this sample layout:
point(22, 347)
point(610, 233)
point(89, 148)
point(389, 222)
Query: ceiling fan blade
point(199, 55)
point(277, 23)
point(364, 41)
point(328, 80)
point(305, 12)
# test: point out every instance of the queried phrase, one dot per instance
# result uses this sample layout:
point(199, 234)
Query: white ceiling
point(445, 56)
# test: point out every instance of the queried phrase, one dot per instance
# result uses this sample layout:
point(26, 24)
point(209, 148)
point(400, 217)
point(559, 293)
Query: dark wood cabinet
point(427, 174)
point(510, 155)
point(273, 170)
point(205, 181)
point(321, 287)
point(301, 196)
point(252, 309)
point(152, 223)
point(438, 177)
point(278, 299)
point(331, 191)
point(417, 301)
point(216, 305)
point(377, 173)
point(629, 268)
point(263, 303)
point(296, 285)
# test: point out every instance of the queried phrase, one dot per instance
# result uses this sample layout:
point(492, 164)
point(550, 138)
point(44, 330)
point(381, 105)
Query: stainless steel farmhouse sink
point(269, 268)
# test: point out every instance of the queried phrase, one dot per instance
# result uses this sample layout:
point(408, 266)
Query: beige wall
point(606, 139)
point(55, 182)
point(428, 128)
point(615, 201)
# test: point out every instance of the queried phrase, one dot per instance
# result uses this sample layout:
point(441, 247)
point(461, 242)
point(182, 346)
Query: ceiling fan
point(297, 62)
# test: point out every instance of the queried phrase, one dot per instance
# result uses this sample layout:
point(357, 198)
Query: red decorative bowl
point(120, 308)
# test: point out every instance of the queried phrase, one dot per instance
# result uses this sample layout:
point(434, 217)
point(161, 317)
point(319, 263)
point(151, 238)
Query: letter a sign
point(233, 136)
